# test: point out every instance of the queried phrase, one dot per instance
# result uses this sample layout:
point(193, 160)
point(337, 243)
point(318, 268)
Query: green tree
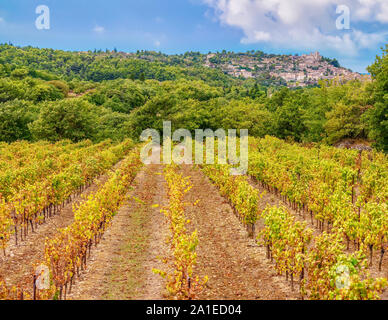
point(19, 73)
point(10, 90)
point(60, 85)
point(111, 125)
point(14, 119)
point(378, 116)
point(66, 119)
point(343, 121)
point(289, 122)
point(152, 114)
point(45, 92)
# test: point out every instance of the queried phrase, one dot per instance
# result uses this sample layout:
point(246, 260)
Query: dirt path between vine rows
point(236, 266)
point(121, 266)
point(18, 265)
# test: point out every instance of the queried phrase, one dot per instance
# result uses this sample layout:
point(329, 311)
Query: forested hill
point(267, 69)
point(53, 95)
point(99, 66)
point(223, 67)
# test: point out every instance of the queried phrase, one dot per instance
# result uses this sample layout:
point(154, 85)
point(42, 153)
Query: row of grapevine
point(66, 253)
point(350, 197)
point(286, 241)
point(22, 153)
point(320, 265)
point(242, 197)
point(15, 177)
point(12, 293)
point(325, 271)
point(374, 173)
point(36, 201)
point(181, 283)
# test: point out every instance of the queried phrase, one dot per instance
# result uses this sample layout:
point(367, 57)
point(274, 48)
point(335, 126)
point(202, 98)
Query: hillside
point(267, 69)
point(294, 70)
point(225, 68)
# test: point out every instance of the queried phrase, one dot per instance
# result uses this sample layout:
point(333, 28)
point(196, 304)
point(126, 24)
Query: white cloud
point(99, 29)
point(258, 36)
point(307, 24)
point(372, 10)
point(157, 43)
point(367, 40)
point(2, 20)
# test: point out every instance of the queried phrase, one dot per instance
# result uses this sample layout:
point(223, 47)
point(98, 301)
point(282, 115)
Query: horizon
point(176, 27)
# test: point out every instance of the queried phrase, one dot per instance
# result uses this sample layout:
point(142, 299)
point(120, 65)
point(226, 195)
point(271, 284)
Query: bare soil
point(121, 266)
point(236, 266)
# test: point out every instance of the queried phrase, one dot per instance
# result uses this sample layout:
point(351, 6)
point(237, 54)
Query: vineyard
point(90, 221)
point(345, 192)
point(66, 171)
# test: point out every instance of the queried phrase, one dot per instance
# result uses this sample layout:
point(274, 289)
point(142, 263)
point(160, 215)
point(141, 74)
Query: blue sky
point(176, 26)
